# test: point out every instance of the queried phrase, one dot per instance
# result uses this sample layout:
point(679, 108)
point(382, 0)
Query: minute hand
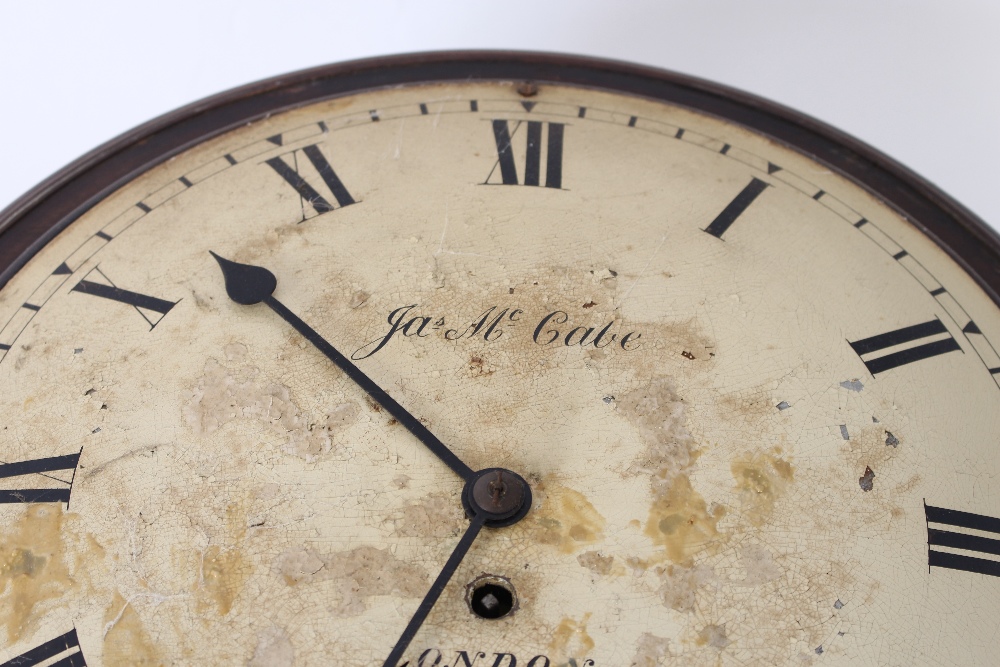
point(247, 284)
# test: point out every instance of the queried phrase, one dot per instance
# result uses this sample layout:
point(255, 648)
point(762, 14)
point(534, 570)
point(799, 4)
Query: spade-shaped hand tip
point(246, 284)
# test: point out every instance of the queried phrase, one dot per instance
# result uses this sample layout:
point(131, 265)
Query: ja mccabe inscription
point(552, 329)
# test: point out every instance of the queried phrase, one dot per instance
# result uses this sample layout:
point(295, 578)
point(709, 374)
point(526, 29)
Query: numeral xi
point(309, 194)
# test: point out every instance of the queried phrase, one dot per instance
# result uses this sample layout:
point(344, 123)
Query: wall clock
point(496, 360)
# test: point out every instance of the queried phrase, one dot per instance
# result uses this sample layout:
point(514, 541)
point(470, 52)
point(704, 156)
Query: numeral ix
point(64, 464)
point(64, 644)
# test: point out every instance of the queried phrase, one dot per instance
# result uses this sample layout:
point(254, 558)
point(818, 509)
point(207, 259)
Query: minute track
point(987, 350)
point(241, 490)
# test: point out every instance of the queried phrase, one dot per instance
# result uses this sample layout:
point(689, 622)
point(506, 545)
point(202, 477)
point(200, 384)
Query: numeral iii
point(961, 541)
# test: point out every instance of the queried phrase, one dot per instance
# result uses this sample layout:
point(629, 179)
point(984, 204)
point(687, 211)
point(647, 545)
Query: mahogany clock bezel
point(40, 214)
point(37, 217)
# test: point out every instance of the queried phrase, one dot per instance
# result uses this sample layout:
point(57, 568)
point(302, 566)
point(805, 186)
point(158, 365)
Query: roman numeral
point(152, 309)
point(937, 537)
point(65, 464)
point(735, 208)
point(309, 195)
point(67, 643)
point(534, 130)
point(906, 356)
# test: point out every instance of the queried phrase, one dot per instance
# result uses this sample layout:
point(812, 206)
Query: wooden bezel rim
point(38, 216)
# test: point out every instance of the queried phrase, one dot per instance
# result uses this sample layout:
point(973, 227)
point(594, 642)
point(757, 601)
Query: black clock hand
point(493, 497)
point(247, 284)
point(436, 588)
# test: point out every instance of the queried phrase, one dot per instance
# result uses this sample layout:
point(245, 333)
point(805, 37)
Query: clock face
point(754, 406)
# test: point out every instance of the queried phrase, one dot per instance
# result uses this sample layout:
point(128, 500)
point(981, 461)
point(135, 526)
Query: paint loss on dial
point(668, 366)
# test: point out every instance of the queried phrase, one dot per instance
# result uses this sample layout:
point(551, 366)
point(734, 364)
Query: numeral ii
point(66, 465)
point(908, 355)
point(973, 544)
point(503, 135)
point(292, 173)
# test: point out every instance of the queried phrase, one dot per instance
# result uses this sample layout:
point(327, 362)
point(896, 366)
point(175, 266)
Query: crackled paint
point(688, 409)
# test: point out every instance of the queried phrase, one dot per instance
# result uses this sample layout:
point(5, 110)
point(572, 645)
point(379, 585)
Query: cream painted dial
point(756, 407)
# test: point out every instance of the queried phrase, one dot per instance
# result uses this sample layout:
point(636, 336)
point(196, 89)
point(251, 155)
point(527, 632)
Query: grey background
point(917, 79)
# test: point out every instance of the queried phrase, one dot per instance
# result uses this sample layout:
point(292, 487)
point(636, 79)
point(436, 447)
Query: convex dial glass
point(754, 408)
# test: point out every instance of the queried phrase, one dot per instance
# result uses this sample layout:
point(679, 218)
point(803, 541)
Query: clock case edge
point(39, 215)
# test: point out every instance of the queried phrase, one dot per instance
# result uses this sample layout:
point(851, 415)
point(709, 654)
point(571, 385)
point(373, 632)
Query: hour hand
point(248, 285)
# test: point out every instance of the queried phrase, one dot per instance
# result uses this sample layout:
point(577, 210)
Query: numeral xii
point(503, 136)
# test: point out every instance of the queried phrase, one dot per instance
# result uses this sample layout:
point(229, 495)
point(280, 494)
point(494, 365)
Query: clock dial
point(754, 407)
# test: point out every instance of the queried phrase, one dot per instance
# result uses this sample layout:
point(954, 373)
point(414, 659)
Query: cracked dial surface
point(756, 406)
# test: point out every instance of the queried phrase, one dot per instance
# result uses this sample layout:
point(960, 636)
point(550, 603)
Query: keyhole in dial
point(491, 597)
